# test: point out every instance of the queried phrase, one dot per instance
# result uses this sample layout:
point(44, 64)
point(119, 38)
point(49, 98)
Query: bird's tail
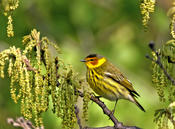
point(137, 103)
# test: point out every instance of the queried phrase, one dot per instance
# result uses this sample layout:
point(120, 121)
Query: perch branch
point(107, 127)
point(158, 62)
point(117, 124)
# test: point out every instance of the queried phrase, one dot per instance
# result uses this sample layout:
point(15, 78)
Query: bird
point(107, 81)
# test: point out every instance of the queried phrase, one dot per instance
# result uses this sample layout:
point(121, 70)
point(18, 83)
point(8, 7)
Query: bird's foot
point(98, 97)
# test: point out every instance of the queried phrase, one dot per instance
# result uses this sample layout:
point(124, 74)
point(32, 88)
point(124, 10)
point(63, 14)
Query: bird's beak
point(83, 60)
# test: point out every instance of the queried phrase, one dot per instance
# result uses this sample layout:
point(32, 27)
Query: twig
point(21, 122)
point(78, 118)
point(158, 61)
point(117, 124)
point(29, 67)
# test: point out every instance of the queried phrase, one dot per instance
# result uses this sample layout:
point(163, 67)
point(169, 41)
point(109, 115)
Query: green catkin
point(63, 97)
point(53, 86)
point(29, 47)
point(46, 56)
point(156, 76)
point(67, 106)
point(38, 52)
point(59, 106)
point(24, 96)
point(2, 64)
point(146, 7)
point(7, 7)
point(29, 96)
point(45, 95)
point(37, 104)
point(172, 26)
point(71, 90)
point(86, 100)
point(13, 89)
point(160, 86)
point(52, 44)
point(10, 32)
point(44, 101)
point(10, 68)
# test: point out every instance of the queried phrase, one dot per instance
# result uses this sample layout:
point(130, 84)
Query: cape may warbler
point(107, 80)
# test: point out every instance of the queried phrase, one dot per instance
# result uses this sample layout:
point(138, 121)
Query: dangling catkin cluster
point(35, 75)
point(86, 100)
point(164, 87)
point(10, 32)
point(7, 7)
point(146, 7)
point(158, 78)
point(167, 55)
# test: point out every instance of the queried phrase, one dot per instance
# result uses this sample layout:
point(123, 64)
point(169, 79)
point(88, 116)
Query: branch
point(107, 127)
point(78, 118)
point(158, 62)
point(117, 124)
point(29, 67)
point(21, 122)
point(26, 124)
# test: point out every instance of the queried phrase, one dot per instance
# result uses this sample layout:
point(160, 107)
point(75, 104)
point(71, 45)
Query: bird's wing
point(117, 76)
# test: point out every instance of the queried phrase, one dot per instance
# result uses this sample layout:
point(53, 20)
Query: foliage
point(36, 74)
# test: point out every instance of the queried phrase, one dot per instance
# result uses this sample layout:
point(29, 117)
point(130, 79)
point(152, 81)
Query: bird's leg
point(95, 96)
point(113, 111)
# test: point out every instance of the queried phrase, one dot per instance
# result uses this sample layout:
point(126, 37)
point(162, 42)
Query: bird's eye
point(91, 60)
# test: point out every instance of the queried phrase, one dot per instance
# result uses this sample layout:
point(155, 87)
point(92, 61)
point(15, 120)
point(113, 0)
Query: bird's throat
point(96, 64)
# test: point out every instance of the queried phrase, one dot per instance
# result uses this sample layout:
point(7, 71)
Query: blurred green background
point(112, 28)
